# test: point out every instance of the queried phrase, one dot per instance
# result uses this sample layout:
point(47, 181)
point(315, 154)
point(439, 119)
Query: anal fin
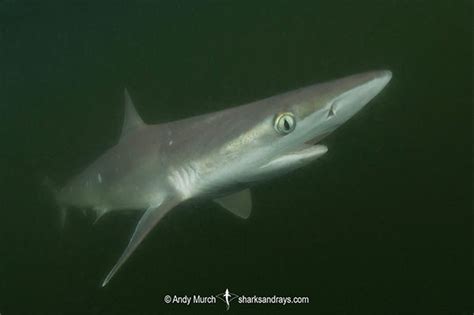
point(149, 219)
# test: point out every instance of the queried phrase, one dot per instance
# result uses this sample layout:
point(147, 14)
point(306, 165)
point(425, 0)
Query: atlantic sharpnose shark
point(215, 156)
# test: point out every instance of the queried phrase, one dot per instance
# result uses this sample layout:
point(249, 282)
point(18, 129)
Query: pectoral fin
point(149, 219)
point(239, 203)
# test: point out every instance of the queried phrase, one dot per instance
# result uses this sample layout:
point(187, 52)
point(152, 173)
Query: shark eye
point(284, 123)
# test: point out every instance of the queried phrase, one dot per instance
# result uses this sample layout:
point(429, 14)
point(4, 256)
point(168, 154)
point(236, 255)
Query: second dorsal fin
point(131, 120)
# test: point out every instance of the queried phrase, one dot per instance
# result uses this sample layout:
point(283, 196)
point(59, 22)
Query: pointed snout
point(350, 94)
point(370, 83)
point(322, 108)
point(382, 77)
point(364, 86)
point(338, 99)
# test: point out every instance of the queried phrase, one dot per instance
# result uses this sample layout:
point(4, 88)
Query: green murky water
point(381, 225)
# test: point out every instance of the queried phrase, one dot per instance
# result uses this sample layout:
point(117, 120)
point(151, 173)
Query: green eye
point(284, 123)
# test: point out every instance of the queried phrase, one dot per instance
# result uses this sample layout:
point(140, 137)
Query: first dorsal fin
point(132, 120)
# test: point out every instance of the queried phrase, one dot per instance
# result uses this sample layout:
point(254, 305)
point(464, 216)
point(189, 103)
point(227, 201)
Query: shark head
point(323, 108)
point(282, 133)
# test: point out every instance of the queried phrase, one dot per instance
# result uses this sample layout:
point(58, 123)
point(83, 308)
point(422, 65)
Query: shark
point(216, 156)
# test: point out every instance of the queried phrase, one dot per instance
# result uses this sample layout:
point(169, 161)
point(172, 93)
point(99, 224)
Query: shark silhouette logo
point(227, 297)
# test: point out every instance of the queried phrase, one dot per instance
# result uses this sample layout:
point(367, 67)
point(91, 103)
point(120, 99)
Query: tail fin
point(53, 190)
point(50, 185)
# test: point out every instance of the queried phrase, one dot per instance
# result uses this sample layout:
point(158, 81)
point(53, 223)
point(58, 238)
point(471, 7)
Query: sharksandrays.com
point(229, 298)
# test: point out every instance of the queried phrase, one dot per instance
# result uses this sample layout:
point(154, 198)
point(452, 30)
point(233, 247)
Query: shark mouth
point(318, 138)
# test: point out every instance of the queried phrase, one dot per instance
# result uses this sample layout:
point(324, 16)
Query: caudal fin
point(51, 187)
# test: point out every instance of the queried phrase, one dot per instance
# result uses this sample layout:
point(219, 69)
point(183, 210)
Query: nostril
point(331, 112)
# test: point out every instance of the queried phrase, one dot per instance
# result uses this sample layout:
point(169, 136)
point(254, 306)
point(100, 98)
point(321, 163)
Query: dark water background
point(381, 225)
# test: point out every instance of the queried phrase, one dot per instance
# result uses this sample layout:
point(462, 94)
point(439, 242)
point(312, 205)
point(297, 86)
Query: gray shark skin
point(215, 156)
